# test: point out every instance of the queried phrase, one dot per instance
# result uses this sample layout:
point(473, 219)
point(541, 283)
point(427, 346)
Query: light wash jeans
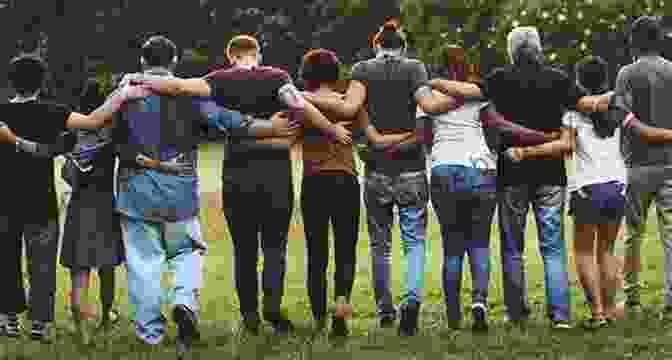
point(150, 247)
point(410, 193)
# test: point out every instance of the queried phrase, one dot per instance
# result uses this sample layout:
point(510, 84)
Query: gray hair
point(520, 36)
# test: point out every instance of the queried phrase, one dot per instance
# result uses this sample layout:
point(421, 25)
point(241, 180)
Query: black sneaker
point(408, 324)
point(39, 331)
point(387, 319)
point(187, 328)
point(339, 327)
point(252, 323)
point(12, 326)
point(479, 314)
point(281, 325)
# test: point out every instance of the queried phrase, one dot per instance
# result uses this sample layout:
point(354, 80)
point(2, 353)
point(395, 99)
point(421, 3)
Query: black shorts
point(598, 203)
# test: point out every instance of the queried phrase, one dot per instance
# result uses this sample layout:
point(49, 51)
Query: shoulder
point(274, 73)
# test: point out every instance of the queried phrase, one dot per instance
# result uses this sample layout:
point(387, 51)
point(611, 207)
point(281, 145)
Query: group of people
point(496, 142)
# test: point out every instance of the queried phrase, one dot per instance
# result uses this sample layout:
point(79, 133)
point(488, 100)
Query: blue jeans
point(548, 202)
point(410, 193)
point(464, 199)
point(149, 248)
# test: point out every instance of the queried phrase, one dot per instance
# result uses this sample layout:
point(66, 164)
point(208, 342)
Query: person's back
point(391, 83)
point(40, 122)
point(649, 81)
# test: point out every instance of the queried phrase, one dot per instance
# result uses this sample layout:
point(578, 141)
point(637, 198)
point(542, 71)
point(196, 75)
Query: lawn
point(638, 338)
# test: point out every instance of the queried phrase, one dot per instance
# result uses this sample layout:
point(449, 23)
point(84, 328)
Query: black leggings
point(325, 198)
point(257, 199)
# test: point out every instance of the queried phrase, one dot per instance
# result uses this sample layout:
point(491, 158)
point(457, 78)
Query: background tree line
point(103, 36)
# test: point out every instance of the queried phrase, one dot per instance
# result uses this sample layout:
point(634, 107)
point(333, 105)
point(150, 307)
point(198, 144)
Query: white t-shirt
point(597, 160)
point(459, 138)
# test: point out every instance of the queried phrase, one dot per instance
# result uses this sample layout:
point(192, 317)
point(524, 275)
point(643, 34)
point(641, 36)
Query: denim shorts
point(598, 203)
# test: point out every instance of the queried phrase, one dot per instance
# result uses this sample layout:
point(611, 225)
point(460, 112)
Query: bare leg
point(80, 289)
point(586, 267)
point(607, 263)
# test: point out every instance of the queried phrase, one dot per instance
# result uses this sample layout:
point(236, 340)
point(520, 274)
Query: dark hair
point(159, 51)
point(26, 74)
point(389, 37)
point(592, 75)
point(319, 65)
point(646, 34)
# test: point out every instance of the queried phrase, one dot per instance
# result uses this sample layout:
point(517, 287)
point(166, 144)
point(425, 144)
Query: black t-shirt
point(537, 100)
point(28, 182)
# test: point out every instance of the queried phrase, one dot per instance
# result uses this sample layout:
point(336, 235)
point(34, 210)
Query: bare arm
point(103, 115)
point(377, 138)
point(435, 102)
point(519, 135)
point(593, 103)
point(553, 149)
point(171, 86)
point(301, 109)
point(456, 88)
point(345, 108)
point(648, 134)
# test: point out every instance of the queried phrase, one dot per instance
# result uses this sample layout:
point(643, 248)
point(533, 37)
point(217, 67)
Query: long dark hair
point(592, 75)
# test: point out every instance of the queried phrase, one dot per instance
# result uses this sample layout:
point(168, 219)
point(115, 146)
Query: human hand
point(516, 154)
point(341, 134)
point(283, 127)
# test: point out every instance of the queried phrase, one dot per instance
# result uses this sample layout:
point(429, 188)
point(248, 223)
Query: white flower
point(553, 56)
point(523, 13)
point(583, 46)
point(515, 23)
point(587, 32)
point(562, 17)
point(545, 14)
point(612, 26)
point(579, 15)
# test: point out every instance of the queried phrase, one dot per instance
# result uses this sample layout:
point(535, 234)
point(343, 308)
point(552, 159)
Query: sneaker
point(408, 324)
point(479, 313)
point(187, 328)
point(39, 331)
point(561, 325)
point(387, 319)
point(281, 325)
point(12, 326)
point(252, 323)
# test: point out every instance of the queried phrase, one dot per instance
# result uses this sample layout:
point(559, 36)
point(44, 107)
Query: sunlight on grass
point(640, 339)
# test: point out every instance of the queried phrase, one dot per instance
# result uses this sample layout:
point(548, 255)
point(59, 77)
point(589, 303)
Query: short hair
point(524, 38)
point(159, 51)
point(241, 43)
point(646, 34)
point(592, 73)
point(27, 74)
point(390, 37)
point(320, 65)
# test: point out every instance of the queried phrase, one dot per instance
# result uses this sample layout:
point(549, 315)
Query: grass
point(639, 338)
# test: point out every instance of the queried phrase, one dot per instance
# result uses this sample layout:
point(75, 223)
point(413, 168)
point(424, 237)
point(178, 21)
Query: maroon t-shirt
point(252, 91)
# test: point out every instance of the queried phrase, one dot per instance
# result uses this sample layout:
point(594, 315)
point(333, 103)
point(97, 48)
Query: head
point(524, 46)
point(646, 35)
point(319, 66)
point(591, 74)
point(244, 50)
point(26, 75)
point(389, 38)
point(159, 51)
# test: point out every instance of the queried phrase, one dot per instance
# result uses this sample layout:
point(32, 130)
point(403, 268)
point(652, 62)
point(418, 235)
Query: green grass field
point(638, 338)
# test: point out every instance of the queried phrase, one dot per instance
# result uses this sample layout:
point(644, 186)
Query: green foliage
point(569, 26)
